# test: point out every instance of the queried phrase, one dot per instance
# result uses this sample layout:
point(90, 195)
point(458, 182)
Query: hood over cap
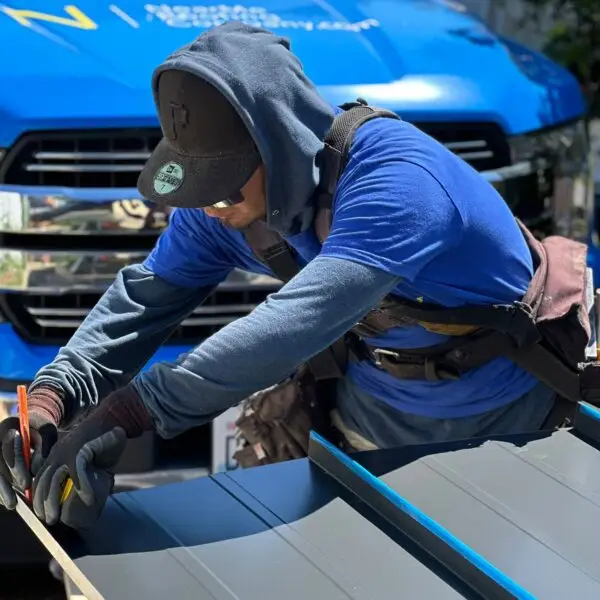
point(285, 115)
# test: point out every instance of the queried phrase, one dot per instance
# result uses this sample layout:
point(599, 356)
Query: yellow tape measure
point(66, 490)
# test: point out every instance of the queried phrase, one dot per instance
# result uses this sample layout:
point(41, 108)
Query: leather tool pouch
point(275, 423)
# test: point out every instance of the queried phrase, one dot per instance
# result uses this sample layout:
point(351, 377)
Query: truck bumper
point(22, 360)
point(20, 363)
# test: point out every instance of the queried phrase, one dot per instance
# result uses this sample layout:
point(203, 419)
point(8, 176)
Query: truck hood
point(89, 64)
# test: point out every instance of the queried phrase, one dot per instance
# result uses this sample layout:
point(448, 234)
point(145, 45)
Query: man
point(241, 121)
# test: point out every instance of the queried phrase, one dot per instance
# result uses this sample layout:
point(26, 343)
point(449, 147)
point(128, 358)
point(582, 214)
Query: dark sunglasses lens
point(234, 199)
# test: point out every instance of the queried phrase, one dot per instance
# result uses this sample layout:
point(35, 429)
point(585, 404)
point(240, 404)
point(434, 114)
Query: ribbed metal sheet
point(212, 538)
point(532, 511)
point(489, 519)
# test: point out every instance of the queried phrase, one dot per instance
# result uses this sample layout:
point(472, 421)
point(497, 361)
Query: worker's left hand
point(87, 455)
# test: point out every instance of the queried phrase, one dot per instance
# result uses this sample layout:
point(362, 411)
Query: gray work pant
point(368, 423)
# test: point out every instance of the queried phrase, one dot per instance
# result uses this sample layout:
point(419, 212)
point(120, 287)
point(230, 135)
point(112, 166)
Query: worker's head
point(240, 119)
point(207, 158)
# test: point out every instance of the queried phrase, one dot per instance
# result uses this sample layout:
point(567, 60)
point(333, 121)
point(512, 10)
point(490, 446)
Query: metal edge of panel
point(586, 422)
point(472, 568)
point(55, 549)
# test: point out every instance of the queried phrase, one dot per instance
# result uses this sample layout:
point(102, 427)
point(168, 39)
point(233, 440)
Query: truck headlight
point(549, 184)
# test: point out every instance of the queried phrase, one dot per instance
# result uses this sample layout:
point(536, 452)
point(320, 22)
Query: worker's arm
point(132, 319)
point(376, 240)
point(305, 316)
point(390, 221)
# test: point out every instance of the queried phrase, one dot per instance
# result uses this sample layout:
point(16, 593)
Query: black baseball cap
point(207, 153)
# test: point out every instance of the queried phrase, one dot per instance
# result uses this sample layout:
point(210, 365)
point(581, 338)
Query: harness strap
point(549, 369)
point(516, 320)
point(271, 249)
point(334, 157)
point(445, 361)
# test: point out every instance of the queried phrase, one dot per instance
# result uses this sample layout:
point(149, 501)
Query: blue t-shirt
point(408, 206)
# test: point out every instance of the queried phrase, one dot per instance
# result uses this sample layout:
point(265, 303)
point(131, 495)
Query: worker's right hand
point(14, 475)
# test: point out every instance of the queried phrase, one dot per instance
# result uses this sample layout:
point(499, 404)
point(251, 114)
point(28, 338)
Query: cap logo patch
point(168, 179)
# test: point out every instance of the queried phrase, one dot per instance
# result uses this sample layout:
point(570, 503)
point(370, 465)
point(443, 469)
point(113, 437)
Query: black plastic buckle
point(276, 250)
point(435, 372)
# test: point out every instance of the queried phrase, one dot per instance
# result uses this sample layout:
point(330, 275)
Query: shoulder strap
point(338, 142)
point(268, 245)
point(271, 249)
point(277, 254)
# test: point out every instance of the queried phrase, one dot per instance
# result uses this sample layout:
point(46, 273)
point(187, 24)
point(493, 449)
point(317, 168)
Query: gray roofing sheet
point(301, 530)
point(532, 511)
point(212, 538)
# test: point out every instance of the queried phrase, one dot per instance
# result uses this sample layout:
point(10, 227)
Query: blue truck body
point(88, 65)
point(77, 119)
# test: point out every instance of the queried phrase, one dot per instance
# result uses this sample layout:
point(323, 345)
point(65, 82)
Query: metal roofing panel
point(518, 517)
point(210, 538)
point(196, 540)
point(366, 555)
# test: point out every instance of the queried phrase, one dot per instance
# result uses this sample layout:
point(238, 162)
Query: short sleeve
point(391, 214)
point(187, 253)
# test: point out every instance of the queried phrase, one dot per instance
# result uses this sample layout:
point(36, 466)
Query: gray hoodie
point(288, 120)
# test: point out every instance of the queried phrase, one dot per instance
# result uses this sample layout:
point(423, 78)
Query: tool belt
point(275, 423)
point(547, 333)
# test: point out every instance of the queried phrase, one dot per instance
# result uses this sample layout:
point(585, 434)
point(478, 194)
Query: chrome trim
point(88, 168)
point(475, 155)
point(201, 316)
point(55, 272)
point(515, 171)
point(470, 149)
point(118, 161)
point(74, 323)
point(59, 272)
point(466, 145)
point(60, 211)
point(82, 312)
point(133, 155)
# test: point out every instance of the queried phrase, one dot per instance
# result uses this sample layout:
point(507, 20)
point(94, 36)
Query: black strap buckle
point(436, 372)
point(276, 250)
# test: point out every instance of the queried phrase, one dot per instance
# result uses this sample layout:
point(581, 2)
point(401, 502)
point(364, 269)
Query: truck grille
point(114, 158)
point(95, 159)
point(48, 319)
point(483, 145)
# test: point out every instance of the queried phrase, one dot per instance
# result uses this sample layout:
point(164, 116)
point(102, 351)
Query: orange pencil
point(24, 425)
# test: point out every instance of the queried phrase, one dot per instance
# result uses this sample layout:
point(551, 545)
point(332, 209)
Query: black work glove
point(13, 473)
point(87, 456)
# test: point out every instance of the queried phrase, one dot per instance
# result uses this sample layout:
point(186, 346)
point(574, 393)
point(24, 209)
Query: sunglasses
point(235, 198)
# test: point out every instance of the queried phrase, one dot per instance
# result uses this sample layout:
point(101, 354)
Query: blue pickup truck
point(77, 122)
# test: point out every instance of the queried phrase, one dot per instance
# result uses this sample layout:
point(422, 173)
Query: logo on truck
point(190, 16)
